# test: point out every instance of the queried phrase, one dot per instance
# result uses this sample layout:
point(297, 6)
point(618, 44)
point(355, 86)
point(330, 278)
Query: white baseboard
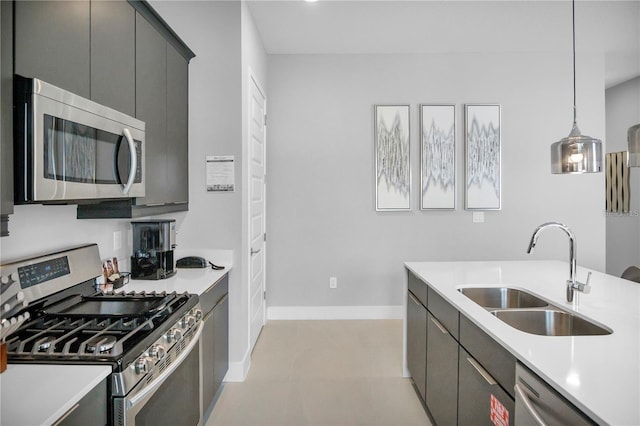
point(334, 312)
point(238, 370)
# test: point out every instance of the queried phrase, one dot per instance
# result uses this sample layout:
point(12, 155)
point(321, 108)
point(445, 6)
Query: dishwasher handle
point(521, 396)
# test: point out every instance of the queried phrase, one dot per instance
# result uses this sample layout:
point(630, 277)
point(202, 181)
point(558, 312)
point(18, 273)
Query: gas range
point(142, 336)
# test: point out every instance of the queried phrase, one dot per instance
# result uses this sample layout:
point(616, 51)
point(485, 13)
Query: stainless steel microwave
point(69, 149)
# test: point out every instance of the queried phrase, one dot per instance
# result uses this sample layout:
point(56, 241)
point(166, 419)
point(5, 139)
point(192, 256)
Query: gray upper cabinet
point(151, 107)
point(113, 55)
point(161, 100)
point(52, 43)
point(177, 127)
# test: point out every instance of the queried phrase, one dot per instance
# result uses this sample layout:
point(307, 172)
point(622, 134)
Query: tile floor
point(323, 373)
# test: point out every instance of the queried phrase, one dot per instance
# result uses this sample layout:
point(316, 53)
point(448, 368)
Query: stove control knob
point(156, 352)
point(198, 314)
point(173, 335)
point(143, 365)
point(4, 279)
point(14, 276)
point(187, 321)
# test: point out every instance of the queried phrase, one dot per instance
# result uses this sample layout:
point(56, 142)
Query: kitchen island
point(598, 374)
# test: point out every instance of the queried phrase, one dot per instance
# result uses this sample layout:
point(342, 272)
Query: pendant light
point(576, 153)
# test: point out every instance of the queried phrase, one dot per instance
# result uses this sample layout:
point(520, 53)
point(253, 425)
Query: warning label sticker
point(499, 414)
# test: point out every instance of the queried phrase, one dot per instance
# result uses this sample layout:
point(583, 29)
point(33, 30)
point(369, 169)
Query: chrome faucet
point(572, 283)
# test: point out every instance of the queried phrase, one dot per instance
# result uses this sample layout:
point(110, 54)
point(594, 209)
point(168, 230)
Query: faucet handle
point(583, 288)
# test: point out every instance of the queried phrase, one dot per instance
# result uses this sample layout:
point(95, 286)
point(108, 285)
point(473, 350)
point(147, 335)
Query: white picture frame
point(483, 157)
point(392, 146)
point(437, 157)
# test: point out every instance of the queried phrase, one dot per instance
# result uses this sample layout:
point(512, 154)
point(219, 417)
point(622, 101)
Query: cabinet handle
point(133, 155)
point(485, 375)
point(415, 299)
point(522, 396)
point(439, 325)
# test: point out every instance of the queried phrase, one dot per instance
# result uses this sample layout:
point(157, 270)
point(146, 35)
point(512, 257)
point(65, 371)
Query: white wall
point(321, 218)
point(623, 230)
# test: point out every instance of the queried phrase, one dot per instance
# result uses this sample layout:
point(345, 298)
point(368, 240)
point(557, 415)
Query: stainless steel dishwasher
point(538, 404)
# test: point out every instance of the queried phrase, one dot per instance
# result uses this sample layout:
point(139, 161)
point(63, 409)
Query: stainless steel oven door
point(172, 397)
point(77, 149)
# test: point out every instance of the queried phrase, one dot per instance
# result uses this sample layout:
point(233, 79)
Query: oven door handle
point(175, 364)
point(133, 161)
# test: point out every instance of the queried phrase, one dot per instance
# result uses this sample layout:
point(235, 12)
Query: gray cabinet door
point(208, 347)
point(113, 55)
point(52, 43)
point(416, 342)
point(442, 373)
point(151, 107)
point(177, 190)
point(221, 344)
point(481, 400)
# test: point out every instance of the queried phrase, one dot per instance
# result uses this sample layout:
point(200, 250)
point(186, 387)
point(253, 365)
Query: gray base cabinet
point(417, 342)
point(442, 373)
point(468, 376)
point(481, 400)
point(215, 341)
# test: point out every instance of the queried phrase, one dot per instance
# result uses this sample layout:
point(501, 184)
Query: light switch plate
point(478, 217)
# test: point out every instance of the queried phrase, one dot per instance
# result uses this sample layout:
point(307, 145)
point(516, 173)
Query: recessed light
point(311, 1)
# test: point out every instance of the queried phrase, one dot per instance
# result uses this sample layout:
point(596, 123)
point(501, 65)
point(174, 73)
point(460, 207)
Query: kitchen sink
point(550, 322)
point(502, 298)
point(532, 314)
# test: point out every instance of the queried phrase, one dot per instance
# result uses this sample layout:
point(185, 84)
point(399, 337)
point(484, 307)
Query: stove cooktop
point(112, 327)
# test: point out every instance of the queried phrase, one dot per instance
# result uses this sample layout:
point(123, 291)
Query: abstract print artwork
point(393, 173)
point(438, 157)
point(482, 132)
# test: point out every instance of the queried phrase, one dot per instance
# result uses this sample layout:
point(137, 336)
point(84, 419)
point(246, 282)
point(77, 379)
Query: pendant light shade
point(576, 153)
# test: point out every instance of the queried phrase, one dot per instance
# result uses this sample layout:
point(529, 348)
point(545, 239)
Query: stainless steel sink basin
point(550, 322)
point(502, 298)
point(531, 314)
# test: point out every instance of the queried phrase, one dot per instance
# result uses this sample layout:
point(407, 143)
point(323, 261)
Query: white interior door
point(257, 133)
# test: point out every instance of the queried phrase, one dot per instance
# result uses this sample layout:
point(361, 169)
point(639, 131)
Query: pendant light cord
point(573, 9)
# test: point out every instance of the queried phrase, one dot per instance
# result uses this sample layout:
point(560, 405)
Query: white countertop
point(599, 374)
point(39, 394)
point(194, 281)
point(58, 387)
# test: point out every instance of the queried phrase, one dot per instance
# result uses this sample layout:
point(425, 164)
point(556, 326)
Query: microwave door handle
point(133, 161)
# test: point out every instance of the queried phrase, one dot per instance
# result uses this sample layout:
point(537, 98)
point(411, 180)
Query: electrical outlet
point(333, 282)
point(117, 240)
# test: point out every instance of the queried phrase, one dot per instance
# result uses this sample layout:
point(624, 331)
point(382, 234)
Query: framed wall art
point(392, 168)
point(483, 146)
point(437, 157)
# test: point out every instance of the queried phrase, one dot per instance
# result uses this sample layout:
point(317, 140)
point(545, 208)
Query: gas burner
point(102, 343)
point(45, 344)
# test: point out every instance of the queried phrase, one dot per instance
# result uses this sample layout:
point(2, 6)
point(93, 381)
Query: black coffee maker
point(153, 244)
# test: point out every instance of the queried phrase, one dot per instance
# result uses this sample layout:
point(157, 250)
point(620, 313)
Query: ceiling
point(425, 26)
